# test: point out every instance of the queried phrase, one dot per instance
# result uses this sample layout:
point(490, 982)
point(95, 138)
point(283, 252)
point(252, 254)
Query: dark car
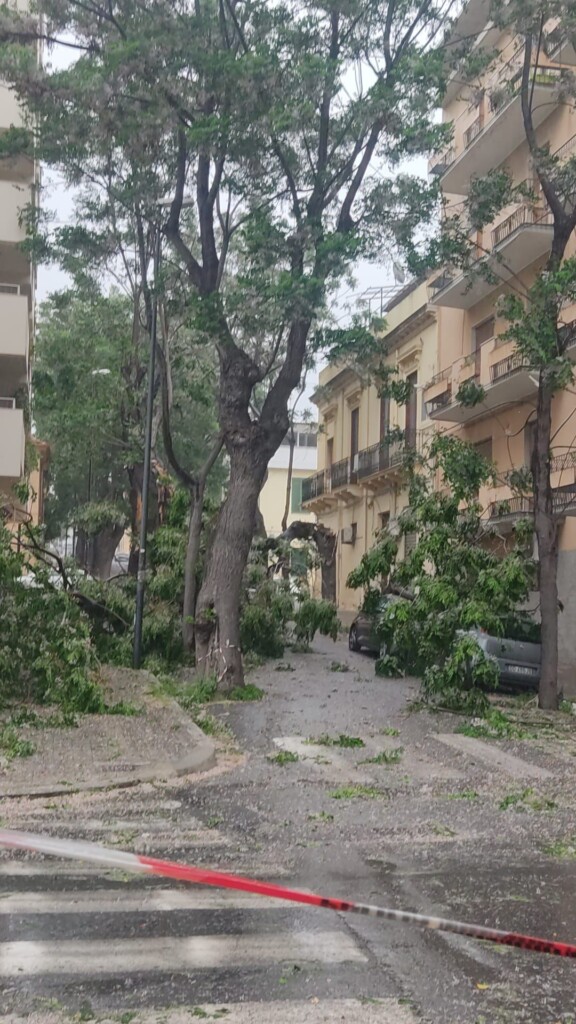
point(362, 635)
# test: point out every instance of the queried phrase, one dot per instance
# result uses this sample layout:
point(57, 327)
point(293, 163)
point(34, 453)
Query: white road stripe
point(71, 869)
point(323, 1011)
point(107, 901)
point(324, 758)
point(87, 958)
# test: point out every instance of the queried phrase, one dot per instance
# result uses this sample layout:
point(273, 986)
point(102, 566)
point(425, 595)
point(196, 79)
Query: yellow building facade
point(448, 330)
point(273, 495)
point(489, 133)
point(360, 486)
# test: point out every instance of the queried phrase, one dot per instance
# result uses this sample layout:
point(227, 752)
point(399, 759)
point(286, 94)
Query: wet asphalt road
point(425, 833)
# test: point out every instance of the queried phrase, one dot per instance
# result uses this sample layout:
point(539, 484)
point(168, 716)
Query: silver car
point(518, 661)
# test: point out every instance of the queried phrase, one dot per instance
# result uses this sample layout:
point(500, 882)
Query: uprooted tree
point(280, 124)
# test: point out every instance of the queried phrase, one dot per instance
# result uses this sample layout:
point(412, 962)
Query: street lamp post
point(141, 577)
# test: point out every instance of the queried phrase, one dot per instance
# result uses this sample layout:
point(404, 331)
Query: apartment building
point(360, 486)
point(304, 463)
point(489, 133)
point(17, 283)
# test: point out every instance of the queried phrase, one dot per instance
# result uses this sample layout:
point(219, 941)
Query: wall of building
point(272, 499)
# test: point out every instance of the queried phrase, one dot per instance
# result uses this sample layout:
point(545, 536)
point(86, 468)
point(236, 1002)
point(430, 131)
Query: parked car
point(363, 635)
point(518, 661)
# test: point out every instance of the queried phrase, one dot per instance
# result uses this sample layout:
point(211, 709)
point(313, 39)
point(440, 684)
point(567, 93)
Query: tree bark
point(218, 610)
point(289, 477)
point(102, 548)
point(190, 567)
point(546, 529)
point(326, 542)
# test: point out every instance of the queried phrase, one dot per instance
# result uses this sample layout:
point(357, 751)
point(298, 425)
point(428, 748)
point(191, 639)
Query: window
point(384, 518)
point(384, 415)
point(410, 541)
point(329, 452)
point(354, 432)
point(483, 332)
point(296, 495)
point(412, 410)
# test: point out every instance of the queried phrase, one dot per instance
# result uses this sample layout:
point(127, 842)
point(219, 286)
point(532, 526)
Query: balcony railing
point(559, 463)
point(473, 131)
point(510, 507)
point(563, 499)
point(313, 486)
point(386, 455)
point(523, 215)
point(340, 474)
point(507, 367)
point(440, 282)
point(566, 150)
point(440, 162)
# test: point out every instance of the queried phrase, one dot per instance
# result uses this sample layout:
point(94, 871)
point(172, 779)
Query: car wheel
point(353, 644)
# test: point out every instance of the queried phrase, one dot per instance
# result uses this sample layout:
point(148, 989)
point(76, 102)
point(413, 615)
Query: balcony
point(517, 242)
point(489, 145)
point(13, 199)
point(506, 513)
point(14, 340)
point(12, 443)
point(18, 168)
point(384, 458)
point(343, 473)
point(505, 380)
point(313, 487)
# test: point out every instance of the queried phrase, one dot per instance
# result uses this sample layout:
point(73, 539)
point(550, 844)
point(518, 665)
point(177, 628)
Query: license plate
point(521, 670)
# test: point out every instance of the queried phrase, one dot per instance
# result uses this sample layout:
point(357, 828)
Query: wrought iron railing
point(473, 131)
point(313, 486)
point(507, 367)
point(566, 460)
point(386, 455)
point(340, 474)
point(522, 215)
point(440, 282)
point(510, 507)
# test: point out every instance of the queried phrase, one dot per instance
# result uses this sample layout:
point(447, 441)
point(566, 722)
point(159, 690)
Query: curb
point(202, 758)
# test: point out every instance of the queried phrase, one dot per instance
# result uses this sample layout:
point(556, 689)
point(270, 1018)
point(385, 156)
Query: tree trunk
point(218, 610)
point(190, 569)
point(326, 542)
point(546, 530)
point(81, 548)
point(102, 548)
point(289, 478)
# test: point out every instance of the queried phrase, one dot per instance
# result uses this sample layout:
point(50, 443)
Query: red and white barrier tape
point(170, 869)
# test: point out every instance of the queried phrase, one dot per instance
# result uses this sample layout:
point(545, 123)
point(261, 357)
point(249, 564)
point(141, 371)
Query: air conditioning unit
point(348, 534)
point(7, 403)
point(9, 289)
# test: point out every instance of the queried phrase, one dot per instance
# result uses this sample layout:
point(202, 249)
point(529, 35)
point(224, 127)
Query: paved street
point(449, 825)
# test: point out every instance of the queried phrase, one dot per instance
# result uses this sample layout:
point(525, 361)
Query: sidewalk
point(159, 741)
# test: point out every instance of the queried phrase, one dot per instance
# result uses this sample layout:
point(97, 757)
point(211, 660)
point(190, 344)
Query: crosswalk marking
point(105, 901)
point(89, 958)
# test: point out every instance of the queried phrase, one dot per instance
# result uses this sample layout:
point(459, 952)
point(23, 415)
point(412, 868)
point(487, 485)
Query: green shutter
point(296, 503)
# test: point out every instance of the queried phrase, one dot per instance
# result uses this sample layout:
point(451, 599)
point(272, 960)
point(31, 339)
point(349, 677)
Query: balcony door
point(480, 334)
point(354, 438)
point(411, 411)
